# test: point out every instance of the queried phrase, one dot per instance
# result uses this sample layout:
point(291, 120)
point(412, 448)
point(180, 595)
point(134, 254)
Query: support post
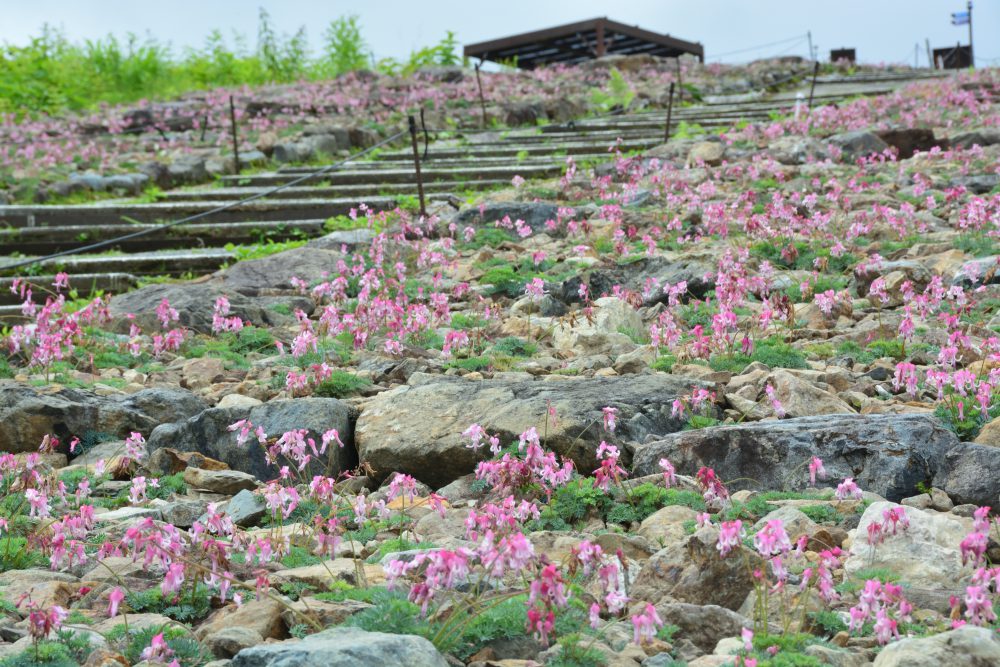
point(930, 57)
point(972, 53)
point(482, 100)
point(809, 34)
point(600, 47)
point(416, 165)
point(812, 88)
point(670, 112)
point(236, 138)
point(680, 82)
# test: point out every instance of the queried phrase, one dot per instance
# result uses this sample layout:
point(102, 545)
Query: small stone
point(229, 482)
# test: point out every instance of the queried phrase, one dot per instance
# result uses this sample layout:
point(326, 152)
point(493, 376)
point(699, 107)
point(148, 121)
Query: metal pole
point(972, 56)
point(416, 165)
point(930, 58)
point(812, 88)
point(482, 100)
point(670, 112)
point(809, 34)
point(236, 138)
point(680, 83)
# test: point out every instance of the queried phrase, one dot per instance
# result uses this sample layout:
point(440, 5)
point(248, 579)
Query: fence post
point(236, 138)
point(812, 88)
point(416, 164)
point(670, 112)
point(482, 100)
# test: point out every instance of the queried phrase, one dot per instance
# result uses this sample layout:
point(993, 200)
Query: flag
point(959, 18)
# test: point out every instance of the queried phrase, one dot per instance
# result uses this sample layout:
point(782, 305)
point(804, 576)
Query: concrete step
point(172, 263)
point(47, 240)
point(85, 284)
point(361, 192)
point(115, 213)
point(430, 175)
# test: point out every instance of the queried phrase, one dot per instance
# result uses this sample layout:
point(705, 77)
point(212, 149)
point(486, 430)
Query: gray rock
point(969, 474)
point(982, 271)
point(967, 140)
point(183, 513)
point(978, 184)
point(246, 508)
point(194, 303)
point(396, 432)
point(792, 149)
point(291, 152)
point(702, 625)
point(208, 434)
point(692, 571)
point(344, 647)
point(967, 646)
point(534, 214)
point(188, 169)
point(227, 642)
point(859, 143)
point(887, 454)
point(275, 272)
point(908, 140)
point(698, 272)
point(28, 414)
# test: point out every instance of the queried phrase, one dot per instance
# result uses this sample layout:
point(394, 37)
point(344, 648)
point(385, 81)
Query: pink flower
point(535, 288)
point(645, 625)
point(816, 469)
point(730, 536)
point(595, 616)
point(609, 418)
point(669, 474)
point(772, 539)
point(115, 598)
point(848, 489)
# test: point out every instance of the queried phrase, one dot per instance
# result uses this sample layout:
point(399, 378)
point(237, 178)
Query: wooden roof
point(576, 42)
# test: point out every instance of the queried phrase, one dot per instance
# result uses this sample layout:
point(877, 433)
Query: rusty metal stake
point(670, 112)
point(680, 81)
point(812, 88)
point(482, 100)
point(236, 138)
point(416, 164)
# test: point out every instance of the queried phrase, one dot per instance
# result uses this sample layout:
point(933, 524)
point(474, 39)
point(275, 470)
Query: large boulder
point(969, 474)
point(967, 646)
point(692, 571)
point(27, 414)
point(886, 454)
point(344, 647)
point(195, 303)
point(801, 398)
point(859, 143)
point(208, 433)
point(534, 214)
point(417, 428)
point(924, 556)
point(696, 269)
point(702, 625)
point(273, 274)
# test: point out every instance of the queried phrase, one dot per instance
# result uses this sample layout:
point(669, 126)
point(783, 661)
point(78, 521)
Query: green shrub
point(513, 346)
point(183, 607)
point(773, 352)
point(250, 339)
point(341, 384)
point(48, 654)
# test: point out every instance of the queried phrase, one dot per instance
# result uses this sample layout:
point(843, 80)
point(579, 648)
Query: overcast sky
point(881, 30)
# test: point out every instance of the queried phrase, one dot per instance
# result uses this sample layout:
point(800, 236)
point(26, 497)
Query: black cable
point(423, 126)
point(204, 214)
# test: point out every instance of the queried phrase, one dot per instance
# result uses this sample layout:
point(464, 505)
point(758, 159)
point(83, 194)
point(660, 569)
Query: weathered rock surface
point(693, 571)
point(417, 428)
point(925, 555)
point(886, 454)
point(967, 646)
point(969, 474)
point(27, 414)
point(208, 434)
point(344, 647)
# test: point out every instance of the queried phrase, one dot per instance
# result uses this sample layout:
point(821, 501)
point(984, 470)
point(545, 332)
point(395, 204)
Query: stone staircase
point(461, 165)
